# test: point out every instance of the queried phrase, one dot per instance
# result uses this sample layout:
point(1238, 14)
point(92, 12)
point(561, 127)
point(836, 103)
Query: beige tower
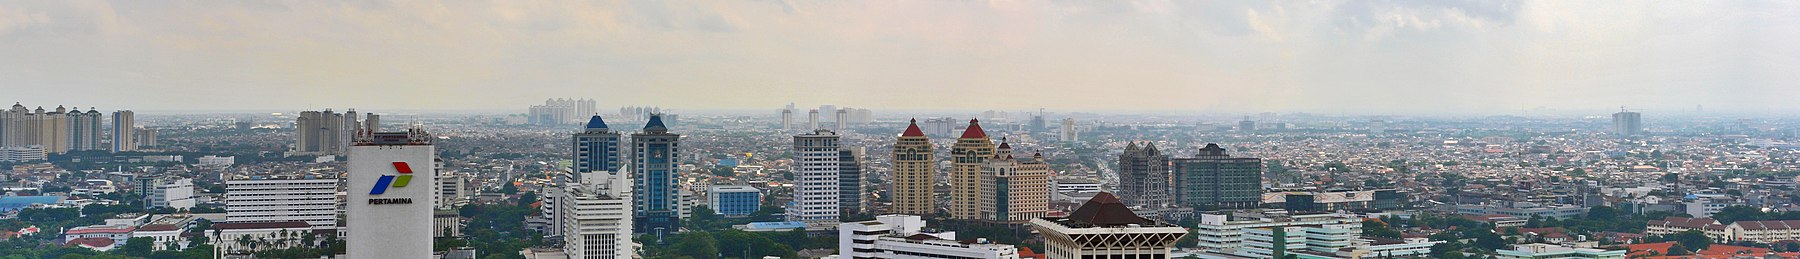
point(1013, 190)
point(915, 174)
point(966, 156)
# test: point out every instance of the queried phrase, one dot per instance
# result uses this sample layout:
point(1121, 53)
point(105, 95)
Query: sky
point(1220, 56)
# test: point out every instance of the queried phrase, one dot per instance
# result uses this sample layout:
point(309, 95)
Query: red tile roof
point(1644, 249)
point(912, 129)
point(974, 130)
point(92, 242)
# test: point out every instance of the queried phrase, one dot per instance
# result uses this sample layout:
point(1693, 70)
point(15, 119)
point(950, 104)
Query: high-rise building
point(372, 123)
point(1037, 122)
point(1213, 180)
point(387, 216)
point(453, 190)
point(146, 137)
point(812, 120)
point(1103, 227)
point(597, 148)
point(123, 131)
point(903, 237)
point(816, 158)
point(1068, 132)
point(787, 119)
point(85, 130)
point(850, 179)
point(842, 120)
point(560, 111)
point(1246, 125)
point(734, 200)
point(1628, 123)
point(656, 197)
point(321, 133)
point(55, 130)
point(915, 173)
point(1144, 177)
point(597, 216)
point(966, 157)
point(1013, 190)
point(283, 199)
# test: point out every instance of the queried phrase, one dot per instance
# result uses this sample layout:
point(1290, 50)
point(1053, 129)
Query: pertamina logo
point(396, 181)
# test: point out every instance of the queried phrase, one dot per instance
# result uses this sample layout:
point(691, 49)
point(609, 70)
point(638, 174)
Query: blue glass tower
point(654, 154)
point(597, 148)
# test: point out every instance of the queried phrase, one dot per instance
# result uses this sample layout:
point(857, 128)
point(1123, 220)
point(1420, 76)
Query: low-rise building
point(902, 237)
point(1105, 228)
point(1548, 251)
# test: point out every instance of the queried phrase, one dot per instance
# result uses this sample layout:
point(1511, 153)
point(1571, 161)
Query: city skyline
point(1362, 58)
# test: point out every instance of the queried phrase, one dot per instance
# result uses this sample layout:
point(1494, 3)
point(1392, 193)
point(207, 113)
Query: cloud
point(1228, 56)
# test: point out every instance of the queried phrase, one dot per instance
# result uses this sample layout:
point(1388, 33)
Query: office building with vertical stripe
point(656, 197)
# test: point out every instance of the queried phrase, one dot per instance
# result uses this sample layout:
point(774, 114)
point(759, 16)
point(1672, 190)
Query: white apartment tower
point(596, 216)
point(816, 164)
point(313, 201)
point(901, 237)
point(389, 205)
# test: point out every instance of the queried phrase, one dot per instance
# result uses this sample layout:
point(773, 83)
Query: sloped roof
point(974, 130)
point(1105, 210)
point(92, 242)
point(596, 123)
point(912, 129)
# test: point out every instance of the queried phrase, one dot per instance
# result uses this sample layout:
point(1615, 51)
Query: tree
point(137, 246)
point(699, 245)
point(1693, 239)
point(1602, 213)
point(1379, 229)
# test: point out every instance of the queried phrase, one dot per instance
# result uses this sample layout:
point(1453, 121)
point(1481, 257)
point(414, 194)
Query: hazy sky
point(1314, 56)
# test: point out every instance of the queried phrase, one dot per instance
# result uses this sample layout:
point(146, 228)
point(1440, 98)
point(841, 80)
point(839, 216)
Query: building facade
point(1013, 190)
point(597, 148)
point(1104, 227)
point(1144, 177)
point(816, 164)
point(1628, 123)
point(597, 217)
point(388, 217)
point(313, 201)
point(734, 200)
point(902, 237)
point(967, 156)
point(656, 197)
point(914, 174)
point(850, 180)
point(1213, 180)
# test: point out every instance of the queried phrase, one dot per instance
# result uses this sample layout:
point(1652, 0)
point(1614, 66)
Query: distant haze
point(1219, 56)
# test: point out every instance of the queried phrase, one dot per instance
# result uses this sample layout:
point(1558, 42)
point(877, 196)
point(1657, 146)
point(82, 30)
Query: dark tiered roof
point(1105, 210)
point(596, 123)
point(655, 125)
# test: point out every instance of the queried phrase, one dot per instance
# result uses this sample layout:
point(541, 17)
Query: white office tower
point(283, 199)
point(1104, 228)
point(389, 216)
point(816, 163)
point(172, 193)
point(596, 216)
point(900, 237)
